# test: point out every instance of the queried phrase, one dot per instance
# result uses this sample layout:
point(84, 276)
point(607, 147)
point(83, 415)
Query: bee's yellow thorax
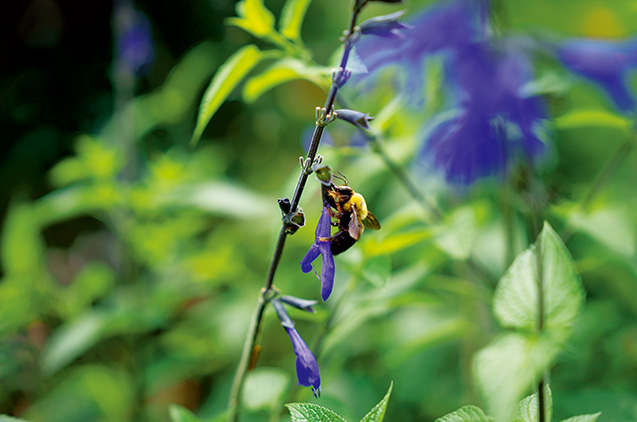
point(358, 202)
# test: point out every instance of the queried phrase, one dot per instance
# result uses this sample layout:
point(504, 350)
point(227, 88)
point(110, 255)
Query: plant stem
point(234, 402)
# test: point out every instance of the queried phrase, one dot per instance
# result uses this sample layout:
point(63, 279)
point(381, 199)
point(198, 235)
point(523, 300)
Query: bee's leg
point(325, 239)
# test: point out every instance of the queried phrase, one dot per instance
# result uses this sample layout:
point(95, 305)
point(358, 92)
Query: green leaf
point(509, 367)
point(254, 18)
point(378, 412)
point(465, 414)
point(5, 418)
point(309, 412)
point(225, 80)
point(528, 409)
point(516, 297)
point(284, 70)
point(71, 340)
point(581, 418)
point(460, 231)
point(582, 117)
point(181, 414)
point(226, 199)
point(292, 17)
point(265, 388)
point(377, 270)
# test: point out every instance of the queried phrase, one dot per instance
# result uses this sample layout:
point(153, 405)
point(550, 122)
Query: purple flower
point(321, 247)
point(386, 26)
point(307, 370)
point(135, 48)
point(494, 121)
point(605, 63)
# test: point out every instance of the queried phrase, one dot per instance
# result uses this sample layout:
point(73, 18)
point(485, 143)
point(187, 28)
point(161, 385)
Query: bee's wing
point(371, 222)
point(355, 228)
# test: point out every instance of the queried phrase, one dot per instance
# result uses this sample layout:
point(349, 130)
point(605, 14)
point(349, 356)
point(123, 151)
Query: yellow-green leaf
point(292, 17)
point(581, 117)
point(222, 84)
point(254, 18)
point(284, 70)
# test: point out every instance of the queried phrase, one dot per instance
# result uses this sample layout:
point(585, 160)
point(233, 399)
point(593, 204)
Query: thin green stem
point(252, 337)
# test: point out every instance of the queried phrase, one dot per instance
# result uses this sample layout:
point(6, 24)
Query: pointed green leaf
point(516, 297)
point(509, 367)
point(582, 418)
point(284, 70)
point(465, 414)
point(254, 18)
point(309, 412)
point(227, 77)
point(528, 409)
point(292, 17)
point(181, 414)
point(378, 412)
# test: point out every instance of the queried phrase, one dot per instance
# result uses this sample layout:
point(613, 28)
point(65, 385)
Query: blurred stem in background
point(251, 344)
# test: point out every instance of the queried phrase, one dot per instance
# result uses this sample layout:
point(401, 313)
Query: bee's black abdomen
point(341, 242)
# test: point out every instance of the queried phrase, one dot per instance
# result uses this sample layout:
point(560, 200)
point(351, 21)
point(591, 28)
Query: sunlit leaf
point(309, 412)
point(292, 17)
point(396, 242)
point(509, 367)
point(227, 77)
point(254, 18)
point(516, 301)
point(458, 235)
point(181, 414)
point(582, 418)
point(465, 414)
point(5, 418)
point(22, 245)
point(377, 414)
point(284, 70)
point(581, 117)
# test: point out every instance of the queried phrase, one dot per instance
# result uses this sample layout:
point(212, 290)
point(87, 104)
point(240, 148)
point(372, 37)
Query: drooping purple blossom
point(493, 120)
point(307, 370)
point(134, 41)
point(608, 64)
point(321, 247)
point(387, 26)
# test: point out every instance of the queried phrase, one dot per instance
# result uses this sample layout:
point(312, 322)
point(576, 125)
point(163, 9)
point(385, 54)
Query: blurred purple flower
point(135, 48)
point(321, 247)
point(605, 63)
point(494, 121)
point(307, 370)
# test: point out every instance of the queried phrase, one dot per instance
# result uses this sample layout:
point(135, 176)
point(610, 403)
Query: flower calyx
point(291, 220)
point(357, 118)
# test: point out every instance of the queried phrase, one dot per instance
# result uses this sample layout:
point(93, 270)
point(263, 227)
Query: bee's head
point(344, 191)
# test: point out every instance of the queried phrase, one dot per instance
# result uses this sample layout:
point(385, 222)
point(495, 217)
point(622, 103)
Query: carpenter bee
point(352, 214)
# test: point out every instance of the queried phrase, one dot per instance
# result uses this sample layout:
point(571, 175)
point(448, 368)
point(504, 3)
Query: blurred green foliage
point(129, 277)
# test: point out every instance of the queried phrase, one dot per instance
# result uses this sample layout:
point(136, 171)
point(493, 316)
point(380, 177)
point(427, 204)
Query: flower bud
point(302, 304)
point(354, 117)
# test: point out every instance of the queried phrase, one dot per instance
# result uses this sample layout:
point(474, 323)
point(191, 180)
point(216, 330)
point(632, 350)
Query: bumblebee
point(352, 214)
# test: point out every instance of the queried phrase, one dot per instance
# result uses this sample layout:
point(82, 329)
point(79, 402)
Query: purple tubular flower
point(321, 247)
point(386, 26)
point(605, 63)
point(307, 370)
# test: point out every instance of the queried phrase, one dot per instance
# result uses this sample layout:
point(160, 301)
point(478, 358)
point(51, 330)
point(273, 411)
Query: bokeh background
point(131, 260)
